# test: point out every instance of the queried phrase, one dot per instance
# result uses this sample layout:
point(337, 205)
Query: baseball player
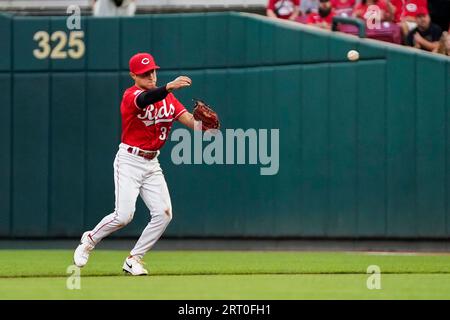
point(148, 113)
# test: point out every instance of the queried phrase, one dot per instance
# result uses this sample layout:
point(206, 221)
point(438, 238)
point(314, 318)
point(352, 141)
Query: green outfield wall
point(363, 145)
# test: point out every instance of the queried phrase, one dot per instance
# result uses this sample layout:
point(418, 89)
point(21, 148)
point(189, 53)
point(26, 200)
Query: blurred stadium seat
point(389, 32)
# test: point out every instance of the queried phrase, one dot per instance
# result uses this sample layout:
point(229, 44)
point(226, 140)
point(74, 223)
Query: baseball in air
point(353, 55)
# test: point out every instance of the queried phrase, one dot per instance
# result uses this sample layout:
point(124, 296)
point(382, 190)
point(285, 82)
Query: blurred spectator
point(283, 9)
point(398, 10)
point(408, 15)
point(426, 35)
point(444, 44)
point(363, 9)
point(343, 8)
point(308, 6)
point(342, 4)
point(324, 17)
point(113, 8)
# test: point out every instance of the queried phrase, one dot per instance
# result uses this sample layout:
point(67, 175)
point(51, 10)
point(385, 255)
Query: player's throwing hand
point(179, 83)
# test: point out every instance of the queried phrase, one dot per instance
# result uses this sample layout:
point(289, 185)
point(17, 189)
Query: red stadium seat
point(389, 32)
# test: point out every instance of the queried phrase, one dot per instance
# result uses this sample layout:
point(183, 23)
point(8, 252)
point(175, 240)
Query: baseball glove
point(202, 112)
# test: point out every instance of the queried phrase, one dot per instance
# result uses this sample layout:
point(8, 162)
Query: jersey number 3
point(163, 135)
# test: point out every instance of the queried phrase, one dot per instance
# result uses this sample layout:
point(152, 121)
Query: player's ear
point(132, 75)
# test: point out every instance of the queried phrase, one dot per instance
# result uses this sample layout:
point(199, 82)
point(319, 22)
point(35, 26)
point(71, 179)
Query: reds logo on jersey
point(152, 115)
point(148, 128)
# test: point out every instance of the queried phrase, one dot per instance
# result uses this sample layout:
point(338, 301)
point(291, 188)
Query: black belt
point(149, 155)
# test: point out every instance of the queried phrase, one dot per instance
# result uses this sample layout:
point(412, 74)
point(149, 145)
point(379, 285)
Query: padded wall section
point(68, 154)
point(31, 43)
point(72, 44)
point(30, 154)
point(6, 36)
point(430, 143)
point(103, 50)
point(314, 159)
point(101, 144)
point(401, 145)
point(343, 102)
point(371, 149)
point(5, 155)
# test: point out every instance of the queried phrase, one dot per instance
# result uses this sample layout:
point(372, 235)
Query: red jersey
point(398, 4)
point(314, 18)
point(148, 128)
point(342, 4)
point(283, 8)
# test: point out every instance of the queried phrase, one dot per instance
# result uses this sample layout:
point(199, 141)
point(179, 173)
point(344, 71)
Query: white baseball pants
point(134, 175)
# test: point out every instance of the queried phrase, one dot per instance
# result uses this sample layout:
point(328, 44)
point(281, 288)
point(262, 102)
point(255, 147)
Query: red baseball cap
point(414, 9)
point(411, 10)
point(421, 11)
point(141, 63)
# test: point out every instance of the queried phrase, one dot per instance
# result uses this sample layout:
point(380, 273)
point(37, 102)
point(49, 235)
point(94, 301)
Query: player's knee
point(168, 214)
point(165, 214)
point(124, 218)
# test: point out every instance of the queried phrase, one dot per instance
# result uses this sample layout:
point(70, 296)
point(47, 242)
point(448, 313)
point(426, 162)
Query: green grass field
point(41, 274)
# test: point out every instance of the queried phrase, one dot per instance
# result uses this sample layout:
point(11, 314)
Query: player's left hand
point(208, 117)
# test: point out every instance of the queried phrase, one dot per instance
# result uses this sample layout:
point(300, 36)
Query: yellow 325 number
point(76, 47)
